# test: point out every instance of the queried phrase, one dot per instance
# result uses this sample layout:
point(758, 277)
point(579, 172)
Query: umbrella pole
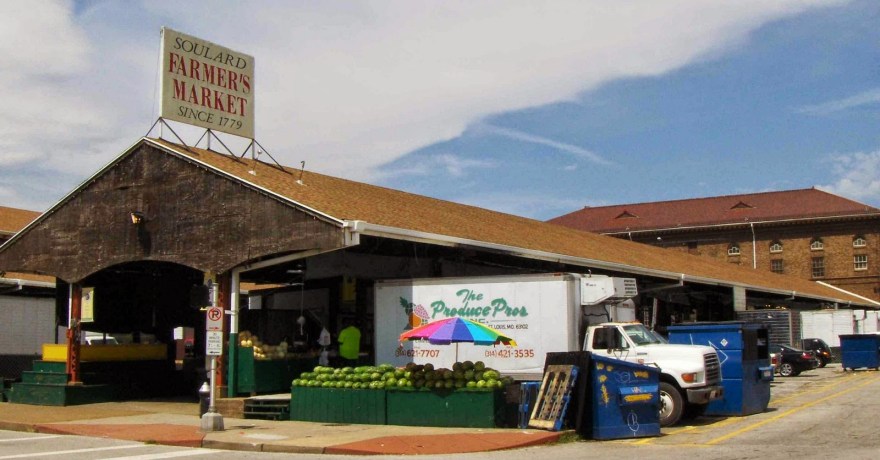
point(456, 352)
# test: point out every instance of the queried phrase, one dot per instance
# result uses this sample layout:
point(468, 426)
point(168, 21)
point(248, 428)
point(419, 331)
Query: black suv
point(820, 350)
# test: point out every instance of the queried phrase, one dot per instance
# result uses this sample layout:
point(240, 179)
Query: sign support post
point(212, 420)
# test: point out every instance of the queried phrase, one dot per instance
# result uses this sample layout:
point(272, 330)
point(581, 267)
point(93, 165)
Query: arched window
point(733, 249)
point(859, 242)
point(776, 247)
point(816, 244)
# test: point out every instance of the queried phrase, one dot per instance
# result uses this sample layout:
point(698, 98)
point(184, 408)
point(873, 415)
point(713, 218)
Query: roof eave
point(366, 228)
point(740, 224)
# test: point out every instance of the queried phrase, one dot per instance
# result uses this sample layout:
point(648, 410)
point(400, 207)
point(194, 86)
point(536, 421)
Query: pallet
point(553, 397)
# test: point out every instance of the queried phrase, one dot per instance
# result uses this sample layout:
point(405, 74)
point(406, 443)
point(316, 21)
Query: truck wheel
point(671, 404)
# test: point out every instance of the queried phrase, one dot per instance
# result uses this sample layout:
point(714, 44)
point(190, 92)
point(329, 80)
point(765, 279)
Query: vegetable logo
point(416, 315)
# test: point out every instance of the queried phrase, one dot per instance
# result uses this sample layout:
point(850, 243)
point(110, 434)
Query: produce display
point(465, 375)
point(262, 351)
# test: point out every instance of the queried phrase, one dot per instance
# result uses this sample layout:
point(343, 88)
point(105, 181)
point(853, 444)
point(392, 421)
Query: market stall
point(263, 368)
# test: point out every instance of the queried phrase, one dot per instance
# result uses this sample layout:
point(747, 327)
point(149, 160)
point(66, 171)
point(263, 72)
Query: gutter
point(21, 283)
point(367, 228)
point(871, 302)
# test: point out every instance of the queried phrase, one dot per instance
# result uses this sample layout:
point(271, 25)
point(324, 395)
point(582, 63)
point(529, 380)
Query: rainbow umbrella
point(455, 330)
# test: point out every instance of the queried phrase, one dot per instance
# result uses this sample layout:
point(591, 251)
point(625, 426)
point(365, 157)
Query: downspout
point(754, 247)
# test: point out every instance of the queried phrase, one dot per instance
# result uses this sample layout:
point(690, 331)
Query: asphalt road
point(821, 414)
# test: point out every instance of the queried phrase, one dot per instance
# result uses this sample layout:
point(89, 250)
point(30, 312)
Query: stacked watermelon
point(463, 375)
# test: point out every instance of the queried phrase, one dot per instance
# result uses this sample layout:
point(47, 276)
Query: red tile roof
point(754, 207)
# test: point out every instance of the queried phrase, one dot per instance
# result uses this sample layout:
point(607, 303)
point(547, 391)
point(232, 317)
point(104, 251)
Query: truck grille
point(713, 368)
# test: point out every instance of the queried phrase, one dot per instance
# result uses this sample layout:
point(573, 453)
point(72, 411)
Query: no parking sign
point(214, 334)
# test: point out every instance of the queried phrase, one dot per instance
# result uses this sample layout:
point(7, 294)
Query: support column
point(74, 330)
point(739, 298)
point(232, 356)
point(223, 282)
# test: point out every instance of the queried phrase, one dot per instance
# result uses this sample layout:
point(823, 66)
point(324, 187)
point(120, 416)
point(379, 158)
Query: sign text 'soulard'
point(207, 85)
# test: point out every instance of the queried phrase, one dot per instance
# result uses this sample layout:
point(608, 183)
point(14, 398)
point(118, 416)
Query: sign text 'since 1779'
point(207, 85)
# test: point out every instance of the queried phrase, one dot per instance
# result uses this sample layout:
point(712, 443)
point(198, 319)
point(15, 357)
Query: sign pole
point(212, 420)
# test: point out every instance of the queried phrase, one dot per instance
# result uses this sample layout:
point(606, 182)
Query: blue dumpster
point(625, 399)
point(860, 350)
point(745, 363)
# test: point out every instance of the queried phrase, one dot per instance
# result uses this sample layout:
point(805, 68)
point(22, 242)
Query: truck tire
point(671, 404)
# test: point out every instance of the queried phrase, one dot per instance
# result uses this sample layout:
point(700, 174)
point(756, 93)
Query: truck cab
point(690, 375)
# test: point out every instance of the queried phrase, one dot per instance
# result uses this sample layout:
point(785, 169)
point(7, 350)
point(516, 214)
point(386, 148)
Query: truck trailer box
point(542, 313)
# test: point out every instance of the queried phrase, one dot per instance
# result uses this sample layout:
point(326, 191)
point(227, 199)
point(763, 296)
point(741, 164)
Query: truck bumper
point(705, 395)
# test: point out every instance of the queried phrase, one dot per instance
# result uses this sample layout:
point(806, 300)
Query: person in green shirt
point(349, 343)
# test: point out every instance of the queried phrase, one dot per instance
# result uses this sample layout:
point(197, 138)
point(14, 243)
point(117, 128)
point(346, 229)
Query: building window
point(733, 250)
point(816, 244)
point(859, 242)
point(860, 262)
point(776, 247)
point(776, 266)
point(818, 267)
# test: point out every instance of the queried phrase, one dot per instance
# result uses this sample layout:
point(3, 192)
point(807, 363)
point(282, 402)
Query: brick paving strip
point(158, 433)
point(440, 443)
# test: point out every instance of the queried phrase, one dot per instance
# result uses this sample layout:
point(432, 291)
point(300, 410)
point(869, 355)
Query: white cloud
point(857, 176)
point(858, 100)
point(452, 165)
point(345, 86)
point(580, 152)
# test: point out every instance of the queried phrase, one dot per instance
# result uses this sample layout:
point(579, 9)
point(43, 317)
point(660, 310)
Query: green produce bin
point(468, 409)
point(256, 376)
point(338, 405)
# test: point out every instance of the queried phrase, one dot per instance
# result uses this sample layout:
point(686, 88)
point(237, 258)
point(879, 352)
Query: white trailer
point(540, 312)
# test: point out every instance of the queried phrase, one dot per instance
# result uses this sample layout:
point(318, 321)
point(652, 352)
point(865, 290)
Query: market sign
point(206, 85)
point(87, 305)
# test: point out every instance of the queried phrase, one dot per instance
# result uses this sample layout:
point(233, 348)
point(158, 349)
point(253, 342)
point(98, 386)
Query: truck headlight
point(691, 377)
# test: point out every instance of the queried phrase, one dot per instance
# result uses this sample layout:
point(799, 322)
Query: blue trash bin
point(625, 399)
point(744, 353)
point(860, 350)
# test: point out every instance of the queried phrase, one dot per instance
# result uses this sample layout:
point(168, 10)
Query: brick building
point(806, 233)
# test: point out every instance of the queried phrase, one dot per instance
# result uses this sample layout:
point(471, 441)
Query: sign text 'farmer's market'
point(207, 85)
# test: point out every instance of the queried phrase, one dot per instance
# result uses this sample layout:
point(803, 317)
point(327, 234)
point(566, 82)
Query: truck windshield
point(640, 335)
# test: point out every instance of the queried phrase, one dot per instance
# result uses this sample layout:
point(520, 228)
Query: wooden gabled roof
point(721, 210)
point(344, 200)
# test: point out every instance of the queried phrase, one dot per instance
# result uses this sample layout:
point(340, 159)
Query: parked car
point(820, 349)
point(791, 360)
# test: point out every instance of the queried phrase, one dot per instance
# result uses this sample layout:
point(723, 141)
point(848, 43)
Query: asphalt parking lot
point(821, 413)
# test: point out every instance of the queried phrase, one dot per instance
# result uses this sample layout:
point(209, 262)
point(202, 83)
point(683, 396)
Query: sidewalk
point(173, 423)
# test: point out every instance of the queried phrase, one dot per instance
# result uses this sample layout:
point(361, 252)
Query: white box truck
point(543, 313)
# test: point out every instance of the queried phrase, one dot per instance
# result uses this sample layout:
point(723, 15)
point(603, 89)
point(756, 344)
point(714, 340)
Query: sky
point(531, 108)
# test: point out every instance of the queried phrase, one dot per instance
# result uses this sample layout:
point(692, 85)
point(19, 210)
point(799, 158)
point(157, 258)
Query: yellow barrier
point(128, 352)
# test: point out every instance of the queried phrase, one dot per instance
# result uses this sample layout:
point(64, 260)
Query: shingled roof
point(369, 208)
point(721, 210)
point(12, 219)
